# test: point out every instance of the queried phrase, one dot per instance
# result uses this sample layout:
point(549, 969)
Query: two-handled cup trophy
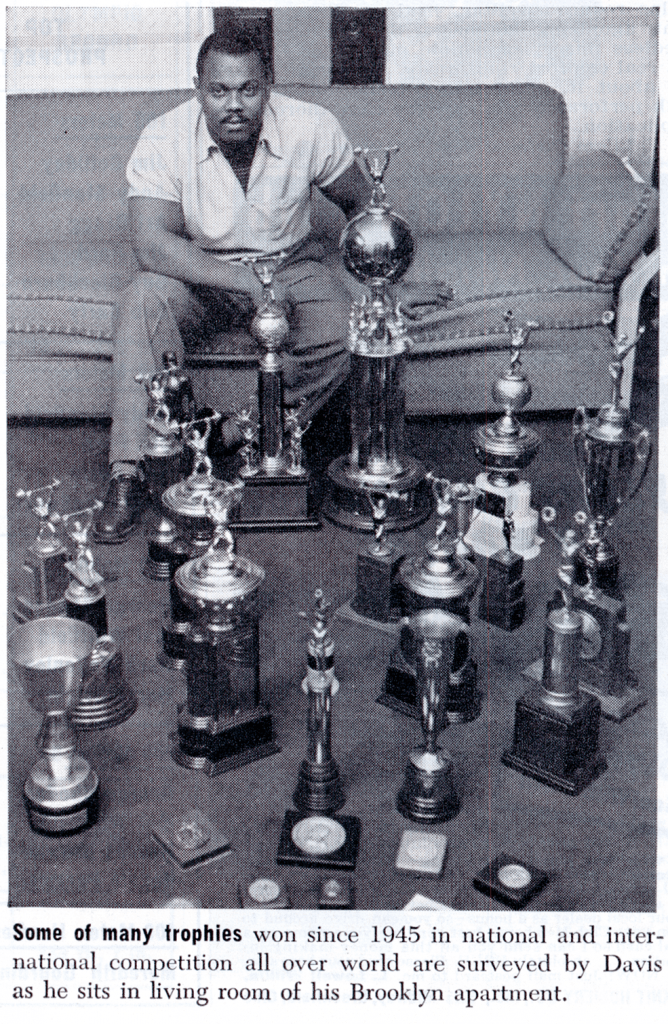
point(556, 725)
point(311, 836)
point(378, 250)
point(106, 697)
point(50, 657)
point(504, 448)
point(278, 486)
point(612, 454)
point(45, 560)
point(428, 793)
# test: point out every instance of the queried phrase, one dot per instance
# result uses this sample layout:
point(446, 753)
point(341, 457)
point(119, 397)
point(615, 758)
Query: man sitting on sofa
point(226, 174)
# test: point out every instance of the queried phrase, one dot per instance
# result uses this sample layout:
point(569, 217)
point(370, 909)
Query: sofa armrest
point(628, 309)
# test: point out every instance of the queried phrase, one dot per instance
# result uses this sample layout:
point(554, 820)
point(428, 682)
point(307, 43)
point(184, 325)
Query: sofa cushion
point(600, 217)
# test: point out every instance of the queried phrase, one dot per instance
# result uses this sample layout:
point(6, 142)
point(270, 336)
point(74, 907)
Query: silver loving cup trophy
point(428, 793)
point(612, 455)
point(49, 657)
point(377, 249)
point(45, 560)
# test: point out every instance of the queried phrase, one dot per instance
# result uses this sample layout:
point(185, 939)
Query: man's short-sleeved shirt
point(300, 145)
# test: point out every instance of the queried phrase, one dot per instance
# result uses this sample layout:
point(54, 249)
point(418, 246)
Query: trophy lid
point(440, 574)
point(189, 497)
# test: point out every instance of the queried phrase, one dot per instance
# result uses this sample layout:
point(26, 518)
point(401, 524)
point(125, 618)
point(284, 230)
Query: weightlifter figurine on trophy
point(45, 560)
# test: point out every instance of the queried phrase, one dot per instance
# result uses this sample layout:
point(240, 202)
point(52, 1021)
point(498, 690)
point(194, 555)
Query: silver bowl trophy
point(438, 579)
point(556, 725)
point(45, 560)
point(170, 404)
point(106, 698)
point(504, 448)
point(428, 793)
point(223, 723)
point(311, 836)
point(278, 485)
point(612, 454)
point(377, 249)
point(49, 657)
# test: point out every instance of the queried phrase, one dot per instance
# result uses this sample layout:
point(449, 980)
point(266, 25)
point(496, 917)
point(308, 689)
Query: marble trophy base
point(400, 692)
point(502, 601)
point(485, 534)
point(59, 808)
point(106, 698)
point(342, 858)
point(319, 788)
point(278, 501)
point(428, 793)
point(48, 582)
point(217, 745)
point(346, 502)
point(557, 746)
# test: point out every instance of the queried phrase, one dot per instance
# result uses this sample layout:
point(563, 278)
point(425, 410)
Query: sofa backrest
point(471, 157)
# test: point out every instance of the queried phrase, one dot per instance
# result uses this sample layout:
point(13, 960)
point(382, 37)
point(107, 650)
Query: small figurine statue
point(507, 528)
point(570, 545)
point(77, 526)
point(296, 432)
point(248, 427)
point(198, 441)
point(47, 537)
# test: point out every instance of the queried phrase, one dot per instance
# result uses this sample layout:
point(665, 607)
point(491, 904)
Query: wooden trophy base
point(214, 746)
point(276, 502)
point(317, 853)
point(557, 746)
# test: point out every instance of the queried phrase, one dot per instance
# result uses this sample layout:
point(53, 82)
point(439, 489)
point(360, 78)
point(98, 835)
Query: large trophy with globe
point(378, 250)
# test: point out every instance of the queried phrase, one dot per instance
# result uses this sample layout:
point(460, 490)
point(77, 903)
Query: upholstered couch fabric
point(476, 171)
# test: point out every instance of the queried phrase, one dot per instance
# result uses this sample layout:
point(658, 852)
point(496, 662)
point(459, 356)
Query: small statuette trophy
point(428, 793)
point(311, 837)
point(376, 598)
point(504, 448)
point(223, 723)
point(438, 579)
point(612, 454)
point(278, 486)
point(45, 560)
point(106, 698)
point(556, 726)
point(464, 497)
point(502, 601)
point(170, 403)
point(49, 657)
point(377, 249)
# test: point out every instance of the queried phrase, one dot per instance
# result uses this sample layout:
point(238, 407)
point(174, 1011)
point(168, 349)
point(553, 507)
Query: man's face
point(233, 91)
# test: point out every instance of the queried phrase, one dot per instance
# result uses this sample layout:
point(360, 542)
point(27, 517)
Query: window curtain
point(103, 49)
point(603, 60)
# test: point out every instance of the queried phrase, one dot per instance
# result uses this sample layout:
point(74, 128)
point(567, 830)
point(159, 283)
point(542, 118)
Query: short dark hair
point(235, 40)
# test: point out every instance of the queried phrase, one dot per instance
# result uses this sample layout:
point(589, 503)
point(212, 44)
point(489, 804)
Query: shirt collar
point(269, 134)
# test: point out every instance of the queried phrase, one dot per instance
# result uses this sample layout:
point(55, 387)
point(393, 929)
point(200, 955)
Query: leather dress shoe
point(120, 514)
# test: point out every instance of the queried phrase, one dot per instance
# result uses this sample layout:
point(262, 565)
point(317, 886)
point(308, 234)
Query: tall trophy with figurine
point(44, 565)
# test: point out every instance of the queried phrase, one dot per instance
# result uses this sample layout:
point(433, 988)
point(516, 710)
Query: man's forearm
point(178, 257)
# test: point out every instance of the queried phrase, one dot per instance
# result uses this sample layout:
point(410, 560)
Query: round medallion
point(422, 850)
point(264, 890)
point(318, 835)
point(514, 876)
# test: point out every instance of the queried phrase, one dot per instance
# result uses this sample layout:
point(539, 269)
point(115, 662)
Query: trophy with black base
point(311, 837)
point(428, 794)
point(49, 656)
point(170, 403)
point(504, 448)
point(557, 726)
point(502, 601)
point(612, 454)
point(45, 560)
point(278, 486)
point(223, 723)
point(603, 670)
point(439, 579)
point(106, 698)
point(378, 249)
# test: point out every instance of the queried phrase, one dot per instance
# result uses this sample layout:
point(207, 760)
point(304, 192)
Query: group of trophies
point(72, 669)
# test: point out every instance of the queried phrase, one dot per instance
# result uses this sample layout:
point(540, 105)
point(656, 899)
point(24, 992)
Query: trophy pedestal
point(511, 881)
point(485, 534)
point(400, 693)
point(347, 504)
point(428, 793)
point(217, 745)
point(161, 472)
point(62, 807)
point(377, 596)
point(319, 788)
point(48, 583)
point(557, 745)
point(278, 501)
point(502, 600)
point(603, 574)
point(319, 842)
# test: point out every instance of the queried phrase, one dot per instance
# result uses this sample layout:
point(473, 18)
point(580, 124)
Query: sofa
point(482, 176)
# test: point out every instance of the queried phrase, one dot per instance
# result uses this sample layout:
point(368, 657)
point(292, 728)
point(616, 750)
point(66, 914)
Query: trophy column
point(45, 561)
point(557, 726)
point(377, 249)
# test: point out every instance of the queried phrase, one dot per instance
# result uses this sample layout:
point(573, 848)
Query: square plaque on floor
point(421, 853)
point(315, 841)
point(336, 894)
point(511, 881)
point(191, 839)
